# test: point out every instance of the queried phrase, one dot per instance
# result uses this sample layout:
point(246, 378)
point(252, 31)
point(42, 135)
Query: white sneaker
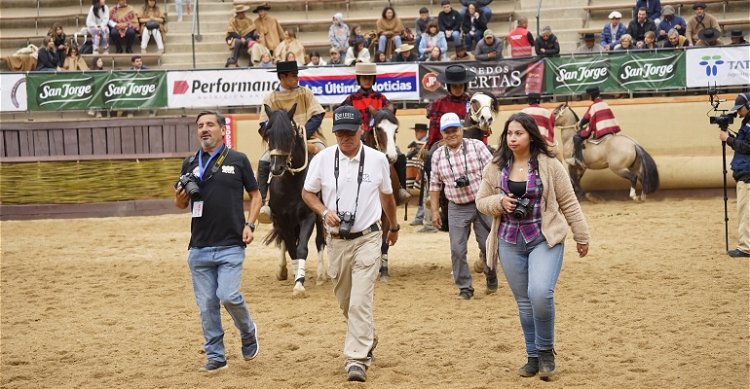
point(265, 215)
point(92, 113)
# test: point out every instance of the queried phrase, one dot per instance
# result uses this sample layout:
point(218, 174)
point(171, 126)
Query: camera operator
point(355, 187)
point(458, 165)
point(741, 171)
point(215, 177)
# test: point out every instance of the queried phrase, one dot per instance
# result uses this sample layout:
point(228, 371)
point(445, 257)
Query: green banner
point(89, 90)
point(616, 72)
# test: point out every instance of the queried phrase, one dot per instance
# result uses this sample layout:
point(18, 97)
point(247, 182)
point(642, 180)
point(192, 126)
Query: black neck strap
point(466, 162)
point(360, 173)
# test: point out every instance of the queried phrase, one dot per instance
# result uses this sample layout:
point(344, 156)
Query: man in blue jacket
point(740, 143)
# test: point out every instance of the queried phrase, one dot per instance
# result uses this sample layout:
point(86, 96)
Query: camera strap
point(466, 162)
point(360, 173)
point(224, 150)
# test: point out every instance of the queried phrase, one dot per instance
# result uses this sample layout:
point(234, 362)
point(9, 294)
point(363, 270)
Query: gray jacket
point(483, 49)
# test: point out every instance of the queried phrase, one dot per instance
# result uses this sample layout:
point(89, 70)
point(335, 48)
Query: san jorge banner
point(135, 90)
point(506, 77)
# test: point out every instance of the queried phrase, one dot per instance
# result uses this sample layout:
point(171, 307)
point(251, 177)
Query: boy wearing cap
point(353, 181)
point(740, 143)
point(449, 22)
point(335, 57)
point(700, 21)
point(600, 119)
point(613, 31)
point(457, 166)
point(489, 48)
point(669, 21)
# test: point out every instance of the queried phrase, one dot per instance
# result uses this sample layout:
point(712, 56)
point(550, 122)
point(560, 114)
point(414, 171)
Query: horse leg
point(633, 179)
point(282, 273)
point(575, 179)
point(320, 245)
point(305, 231)
point(384, 274)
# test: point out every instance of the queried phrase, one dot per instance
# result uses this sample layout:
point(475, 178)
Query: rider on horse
point(543, 117)
point(367, 97)
point(308, 111)
point(600, 119)
point(457, 78)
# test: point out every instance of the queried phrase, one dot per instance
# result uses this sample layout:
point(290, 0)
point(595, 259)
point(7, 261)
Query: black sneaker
point(465, 295)
point(530, 368)
point(250, 346)
point(213, 366)
point(491, 283)
point(737, 253)
point(356, 373)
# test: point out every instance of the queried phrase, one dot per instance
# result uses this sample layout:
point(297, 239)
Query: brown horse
point(620, 153)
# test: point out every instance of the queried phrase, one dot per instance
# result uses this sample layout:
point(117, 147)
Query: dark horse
point(383, 139)
point(293, 221)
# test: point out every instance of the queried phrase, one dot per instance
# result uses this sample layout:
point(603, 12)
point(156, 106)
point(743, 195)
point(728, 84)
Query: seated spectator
point(97, 24)
point(462, 54)
point(737, 38)
point(674, 41)
point(152, 21)
point(669, 21)
point(136, 63)
point(520, 39)
point(240, 32)
point(74, 61)
point(338, 33)
point(700, 21)
point(357, 53)
point(638, 27)
point(47, 56)
point(420, 25)
point(473, 25)
point(266, 62)
point(449, 22)
point(231, 63)
point(436, 55)
point(546, 44)
point(709, 37)
point(589, 45)
point(482, 5)
point(389, 28)
point(380, 57)
point(613, 31)
point(59, 37)
point(357, 33)
point(123, 26)
point(267, 28)
point(335, 57)
point(404, 53)
point(97, 63)
point(432, 38)
point(290, 44)
point(315, 59)
point(649, 41)
point(653, 9)
point(490, 48)
point(626, 43)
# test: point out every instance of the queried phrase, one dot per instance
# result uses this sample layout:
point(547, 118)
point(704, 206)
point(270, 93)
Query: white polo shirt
point(376, 179)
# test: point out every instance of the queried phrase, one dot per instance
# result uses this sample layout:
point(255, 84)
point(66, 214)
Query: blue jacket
point(610, 39)
point(741, 146)
point(666, 25)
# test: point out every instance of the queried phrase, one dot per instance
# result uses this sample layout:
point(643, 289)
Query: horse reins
point(277, 152)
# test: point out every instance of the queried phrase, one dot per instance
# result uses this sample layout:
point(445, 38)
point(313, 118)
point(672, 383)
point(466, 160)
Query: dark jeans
point(129, 38)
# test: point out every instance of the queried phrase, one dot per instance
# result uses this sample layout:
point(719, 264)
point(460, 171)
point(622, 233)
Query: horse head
point(384, 130)
point(565, 116)
point(482, 109)
point(282, 136)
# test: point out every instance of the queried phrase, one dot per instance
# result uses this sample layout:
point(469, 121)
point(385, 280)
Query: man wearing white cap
point(740, 143)
point(613, 31)
point(458, 166)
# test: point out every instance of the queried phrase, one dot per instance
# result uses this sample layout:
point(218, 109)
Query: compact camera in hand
point(461, 182)
point(189, 182)
point(345, 226)
point(523, 208)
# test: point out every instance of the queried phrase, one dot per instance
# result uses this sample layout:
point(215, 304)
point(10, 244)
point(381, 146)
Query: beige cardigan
point(559, 205)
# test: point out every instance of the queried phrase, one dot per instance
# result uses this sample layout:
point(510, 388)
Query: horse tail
point(649, 172)
point(273, 237)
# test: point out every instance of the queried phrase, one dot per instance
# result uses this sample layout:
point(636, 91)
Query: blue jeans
point(486, 12)
point(216, 273)
point(383, 40)
point(532, 270)
point(456, 36)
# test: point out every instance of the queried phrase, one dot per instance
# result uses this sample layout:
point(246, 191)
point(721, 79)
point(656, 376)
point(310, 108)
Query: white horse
point(482, 110)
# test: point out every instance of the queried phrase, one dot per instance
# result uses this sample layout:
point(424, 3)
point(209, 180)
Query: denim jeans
point(216, 273)
point(532, 270)
point(383, 40)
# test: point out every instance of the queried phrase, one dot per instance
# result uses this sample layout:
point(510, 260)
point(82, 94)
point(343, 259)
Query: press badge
point(198, 208)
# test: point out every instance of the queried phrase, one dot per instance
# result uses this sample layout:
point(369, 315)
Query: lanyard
point(202, 168)
point(359, 176)
point(466, 162)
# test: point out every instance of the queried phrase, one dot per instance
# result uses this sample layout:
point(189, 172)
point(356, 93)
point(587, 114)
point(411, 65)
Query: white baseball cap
point(615, 14)
point(449, 120)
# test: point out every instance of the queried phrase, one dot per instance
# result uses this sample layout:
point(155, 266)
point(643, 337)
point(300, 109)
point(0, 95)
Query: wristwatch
point(397, 229)
point(251, 225)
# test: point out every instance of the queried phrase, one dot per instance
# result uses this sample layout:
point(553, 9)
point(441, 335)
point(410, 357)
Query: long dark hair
point(97, 7)
point(538, 144)
point(386, 10)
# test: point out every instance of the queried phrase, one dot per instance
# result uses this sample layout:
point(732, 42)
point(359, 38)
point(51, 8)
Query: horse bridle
point(287, 154)
point(561, 109)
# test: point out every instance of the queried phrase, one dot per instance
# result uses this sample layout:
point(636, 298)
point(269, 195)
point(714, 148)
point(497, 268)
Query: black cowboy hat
point(709, 34)
point(736, 34)
point(419, 127)
point(589, 37)
point(262, 7)
point(287, 67)
point(699, 4)
point(456, 74)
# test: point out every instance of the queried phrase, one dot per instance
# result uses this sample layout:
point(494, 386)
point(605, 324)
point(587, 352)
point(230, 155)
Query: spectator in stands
point(74, 61)
point(613, 31)
point(430, 39)
point(674, 41)
point(380, 57)
point(178, 7)
point(152, 21)
point(389, 28)
point(449, 22)
point(462, 54)
point(266, 62)
point(404, 53)
point(737, 38)
point(520, 39)
point(546, 44)
point(231, 63)
point(649, 41)
point(653, 9)
point(589, 45)
point(315, 59)
point(46, 56)
point(473, 26)
point(268, 28)
point(338, 33)
point(357, 53)
point(709, 37)
point(357, 33)
point(483, 6)
point(136, 63)
point(123, 26)
point(700, 21)
point(335, 57)
point(436, 55)
point(420, 25)
point(669, 21)
point(638, 27)
point(97, 63)
point(241, 32)
point(97, 24)
point(290, 44)
point(626, 43)
point(490, 48)
point(61, 47)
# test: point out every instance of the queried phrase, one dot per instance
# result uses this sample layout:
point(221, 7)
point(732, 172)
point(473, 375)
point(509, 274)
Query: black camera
point(345, 226)
point(190, 183)
point(721, 120)
point(523, 208)
point(461, 182)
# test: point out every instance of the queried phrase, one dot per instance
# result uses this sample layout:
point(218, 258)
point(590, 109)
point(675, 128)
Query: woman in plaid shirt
point(528, 193)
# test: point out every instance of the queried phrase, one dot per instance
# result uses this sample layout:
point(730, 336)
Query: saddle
point(596, 141)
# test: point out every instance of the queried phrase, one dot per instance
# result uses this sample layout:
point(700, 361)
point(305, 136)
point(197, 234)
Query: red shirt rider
point(457, 101)
point(543, 117)
point(599, 116)
point(366, 97)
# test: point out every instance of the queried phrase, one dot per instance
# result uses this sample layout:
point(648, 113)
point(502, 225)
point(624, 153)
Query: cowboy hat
point(287, 67)
point(241, 8)
point(456, 74)
point(262, 7)
point(404, 47)
point(365, 69)
point(709, 34)
point(419, 127)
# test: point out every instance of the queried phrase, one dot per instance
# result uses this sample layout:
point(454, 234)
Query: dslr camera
point(461, 182)
point(190, 183)
point(723, 120)
point(523, 208)
point(347, 221)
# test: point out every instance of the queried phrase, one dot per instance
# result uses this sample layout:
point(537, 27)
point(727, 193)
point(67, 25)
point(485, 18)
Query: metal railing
point(196, 28)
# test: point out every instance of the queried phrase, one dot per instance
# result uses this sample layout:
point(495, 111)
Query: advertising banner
point(507, 77)
point(134, 90)
point(720, 66)
point(216, 88)
point(332, 85)
point(229, 133)
point(63, 91)
point(13, 92)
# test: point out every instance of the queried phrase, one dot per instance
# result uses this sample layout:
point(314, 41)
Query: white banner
point(722, 65)
point(12, 92)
